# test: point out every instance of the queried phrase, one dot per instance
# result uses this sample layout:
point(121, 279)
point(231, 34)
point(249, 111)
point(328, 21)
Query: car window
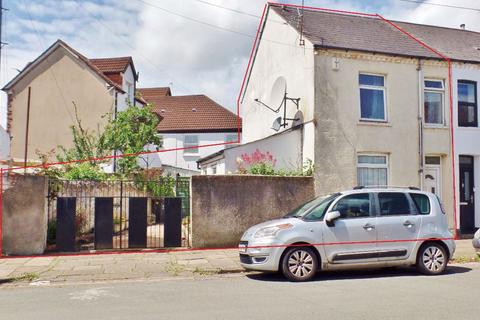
point(393, 203)
point(319, 211)
point(421, 202)
point(353, 206)
point(304, 209)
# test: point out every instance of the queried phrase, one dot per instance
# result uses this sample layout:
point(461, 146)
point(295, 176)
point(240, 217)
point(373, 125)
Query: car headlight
point(270, 232)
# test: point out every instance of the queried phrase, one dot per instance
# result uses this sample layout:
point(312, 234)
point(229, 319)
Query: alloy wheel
point(300, 263)
point(433, 259)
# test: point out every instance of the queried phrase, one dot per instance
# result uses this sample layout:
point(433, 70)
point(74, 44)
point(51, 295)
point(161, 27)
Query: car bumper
point(260, 256)
point(476, 245)
point(451, 247)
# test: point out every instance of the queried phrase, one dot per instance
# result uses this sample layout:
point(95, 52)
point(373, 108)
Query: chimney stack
point(462, 26)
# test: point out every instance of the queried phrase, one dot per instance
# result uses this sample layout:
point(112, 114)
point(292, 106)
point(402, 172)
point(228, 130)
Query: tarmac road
point(376, 294)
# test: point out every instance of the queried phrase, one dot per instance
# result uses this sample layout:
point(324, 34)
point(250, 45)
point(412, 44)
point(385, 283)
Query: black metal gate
point(102, 215)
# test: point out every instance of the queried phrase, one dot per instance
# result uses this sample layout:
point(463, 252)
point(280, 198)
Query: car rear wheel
point(299, 264)
point(432, 259)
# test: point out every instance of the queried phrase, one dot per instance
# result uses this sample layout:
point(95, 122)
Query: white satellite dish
point(277, 124)
point(277, 95)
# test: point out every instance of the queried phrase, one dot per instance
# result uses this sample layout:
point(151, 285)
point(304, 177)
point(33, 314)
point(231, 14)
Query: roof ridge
point(360, 15)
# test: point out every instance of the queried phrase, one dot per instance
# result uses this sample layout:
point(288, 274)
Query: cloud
point(184, 42)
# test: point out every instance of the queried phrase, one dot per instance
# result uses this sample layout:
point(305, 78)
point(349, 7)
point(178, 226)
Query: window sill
point(433, 126)
point(467, 128)
point(374, 123)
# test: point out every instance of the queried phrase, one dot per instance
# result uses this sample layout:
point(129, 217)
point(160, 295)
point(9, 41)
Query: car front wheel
point(432, 259)
point(299, 264)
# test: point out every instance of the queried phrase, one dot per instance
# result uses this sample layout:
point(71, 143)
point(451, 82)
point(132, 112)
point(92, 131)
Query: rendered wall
point(24, 215)
point(55, 83)
point(224, 207)
point(279, 55)
point(341, 136)
point(183, 158)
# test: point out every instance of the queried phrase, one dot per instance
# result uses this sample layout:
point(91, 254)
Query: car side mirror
point(331, 216)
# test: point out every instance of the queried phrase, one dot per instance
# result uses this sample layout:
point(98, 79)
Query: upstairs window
point(467, 103)
point(190, 142)
point(372, 97)
point(433, 102)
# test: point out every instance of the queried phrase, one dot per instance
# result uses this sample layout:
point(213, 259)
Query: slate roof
point(371, 34)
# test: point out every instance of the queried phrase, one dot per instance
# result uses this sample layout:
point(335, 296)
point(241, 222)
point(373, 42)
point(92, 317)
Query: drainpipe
point(420, 122)
point(115, 117)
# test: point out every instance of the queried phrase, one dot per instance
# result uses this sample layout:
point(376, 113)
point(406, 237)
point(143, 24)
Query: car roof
point(384, 189)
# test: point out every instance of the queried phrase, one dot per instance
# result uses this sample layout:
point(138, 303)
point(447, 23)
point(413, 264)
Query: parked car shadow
point(360, 274)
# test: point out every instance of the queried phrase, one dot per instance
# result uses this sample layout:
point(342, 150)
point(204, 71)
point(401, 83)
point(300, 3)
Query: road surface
point(376, 294)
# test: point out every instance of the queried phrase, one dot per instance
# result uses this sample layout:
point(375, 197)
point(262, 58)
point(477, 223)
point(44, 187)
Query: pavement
point(399, 293)
point(137, 266)
point(124, 266)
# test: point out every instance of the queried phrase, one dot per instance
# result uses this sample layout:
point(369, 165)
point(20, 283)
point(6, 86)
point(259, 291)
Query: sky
point(193, 46)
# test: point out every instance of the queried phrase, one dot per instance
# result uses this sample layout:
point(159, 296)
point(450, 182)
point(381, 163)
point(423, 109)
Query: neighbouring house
point(187, 122)
point(4, 144)
point(367, 103)
point(47, 95)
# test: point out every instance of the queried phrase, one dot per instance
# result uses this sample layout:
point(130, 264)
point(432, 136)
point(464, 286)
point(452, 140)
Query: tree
point(129, 133)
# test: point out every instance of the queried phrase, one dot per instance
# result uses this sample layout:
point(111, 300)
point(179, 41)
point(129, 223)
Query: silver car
point(363, 227)
point(476, 241)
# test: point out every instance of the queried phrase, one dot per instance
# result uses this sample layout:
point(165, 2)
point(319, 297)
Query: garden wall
point(223, 207)
point(24, 215)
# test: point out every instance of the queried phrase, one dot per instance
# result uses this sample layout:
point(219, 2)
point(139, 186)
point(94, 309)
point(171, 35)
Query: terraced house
point(369, 104)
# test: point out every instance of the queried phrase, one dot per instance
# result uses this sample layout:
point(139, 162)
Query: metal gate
point(120, 214)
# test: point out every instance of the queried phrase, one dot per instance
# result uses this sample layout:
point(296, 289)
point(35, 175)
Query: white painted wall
point(184, 158)
point(467, 140)
point(4, 144)
point(286, 148)
point(289, 60)
point(128, 77)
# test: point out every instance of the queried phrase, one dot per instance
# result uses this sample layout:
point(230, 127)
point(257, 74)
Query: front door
point(431, 180)
point(467, 197)
point(352, 239)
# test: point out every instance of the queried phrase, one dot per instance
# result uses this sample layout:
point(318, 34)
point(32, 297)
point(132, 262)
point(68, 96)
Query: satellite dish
point(277, 124)
point(277, 95)
point(297, 119)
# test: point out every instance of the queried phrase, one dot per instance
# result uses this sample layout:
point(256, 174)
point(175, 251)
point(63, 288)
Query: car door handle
point(408, 224)
point(369, 227)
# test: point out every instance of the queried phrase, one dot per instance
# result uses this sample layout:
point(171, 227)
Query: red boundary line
point(266, 6)
point(217, 248)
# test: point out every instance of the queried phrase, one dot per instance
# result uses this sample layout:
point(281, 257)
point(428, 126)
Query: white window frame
point(364, 86)
point(130, 93)
point(191, 151)
point(374, 165)
point(434, 90)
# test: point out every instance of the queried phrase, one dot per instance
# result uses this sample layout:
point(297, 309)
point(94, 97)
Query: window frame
point(371, 199)
point(411, 205)
point(370, 87)
point(467, 104)
point(191, 151)
point(373, 165)
point(434, 90)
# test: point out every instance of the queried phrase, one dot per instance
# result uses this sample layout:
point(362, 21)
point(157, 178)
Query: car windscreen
point(305, 208)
